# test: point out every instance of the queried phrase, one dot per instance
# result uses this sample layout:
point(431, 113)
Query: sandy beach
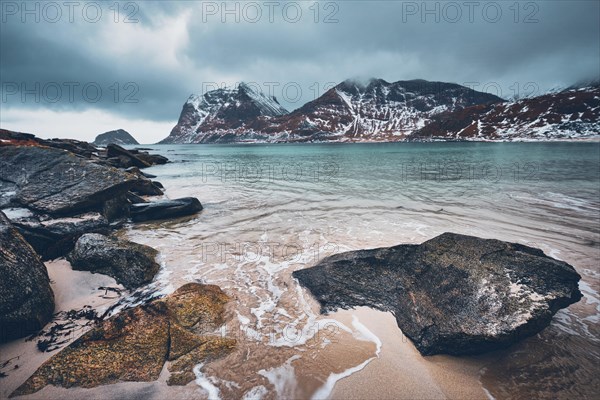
point(72, 290)
point(400, 372)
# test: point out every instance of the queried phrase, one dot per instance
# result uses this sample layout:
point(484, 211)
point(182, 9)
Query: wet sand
point(72, 290)
point(400, 372)
point(375, 361)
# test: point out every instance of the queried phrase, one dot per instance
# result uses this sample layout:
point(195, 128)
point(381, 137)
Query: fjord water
point(272, 209)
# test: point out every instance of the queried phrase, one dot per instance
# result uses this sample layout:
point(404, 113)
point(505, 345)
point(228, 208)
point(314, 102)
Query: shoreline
point(72, 290)
point(595, 139)
point(400, 372)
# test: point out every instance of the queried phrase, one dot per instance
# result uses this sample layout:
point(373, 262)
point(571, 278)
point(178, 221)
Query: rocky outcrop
point(55, 237)
point(57, 182)
point(62, 188)
point(453, 294)
point(26, 299)
point(165, 209)
point(131, 264)
point(125, 158)
point(120, 137)
point(134, 345)
point(82, 149)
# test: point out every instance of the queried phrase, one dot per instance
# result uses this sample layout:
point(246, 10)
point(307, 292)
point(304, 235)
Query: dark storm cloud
point(178, 48)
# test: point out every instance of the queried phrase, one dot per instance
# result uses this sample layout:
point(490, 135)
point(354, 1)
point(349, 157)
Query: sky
point(77, 69)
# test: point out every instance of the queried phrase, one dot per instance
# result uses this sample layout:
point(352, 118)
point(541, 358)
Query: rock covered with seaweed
point(135, 344)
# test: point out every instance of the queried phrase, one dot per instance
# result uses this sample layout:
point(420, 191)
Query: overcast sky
point(87, 69)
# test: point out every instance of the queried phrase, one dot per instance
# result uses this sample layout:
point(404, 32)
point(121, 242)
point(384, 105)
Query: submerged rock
point(131, 264)
point(26, 298)
point(453, 294)
point(165, 209)
point(134, 345)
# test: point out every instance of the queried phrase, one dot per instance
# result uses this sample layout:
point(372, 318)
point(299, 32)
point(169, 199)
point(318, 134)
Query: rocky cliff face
point(221, 114)
point(569, 114)
point(120, 137)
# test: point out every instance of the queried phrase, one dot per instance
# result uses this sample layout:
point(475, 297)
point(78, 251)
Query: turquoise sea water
point(272, 209)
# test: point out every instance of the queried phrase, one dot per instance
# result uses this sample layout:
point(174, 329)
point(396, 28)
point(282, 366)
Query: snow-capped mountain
point(350, 112)
point(569, 114)
point(375, 111)
point(381, 111)
point(221, 113)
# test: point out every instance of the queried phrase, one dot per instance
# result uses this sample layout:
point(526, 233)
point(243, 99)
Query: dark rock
point(137, 171)
point(158, 184)
point(129, 159)
point(146, 187)
point(165, 209)
point(83, 149)
point(26, 298)
point(453, 294)
point(131, 264)
point(153, 159)
point(147, 175)
point(117, 208)
point(57, 182)
point(53, 238)
point(135, 199)
point(10, 136)
point(119, 137)
point(134, 345)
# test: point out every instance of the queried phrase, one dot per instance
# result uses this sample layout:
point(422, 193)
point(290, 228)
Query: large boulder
point(26, 298)
point(165, 209)
point(57, 182)
point(55, 237)
point(131, 264)
point(453, 294)
point(134, 345)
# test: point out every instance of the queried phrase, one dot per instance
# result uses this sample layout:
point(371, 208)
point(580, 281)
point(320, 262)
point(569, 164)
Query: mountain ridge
point(376, 110)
